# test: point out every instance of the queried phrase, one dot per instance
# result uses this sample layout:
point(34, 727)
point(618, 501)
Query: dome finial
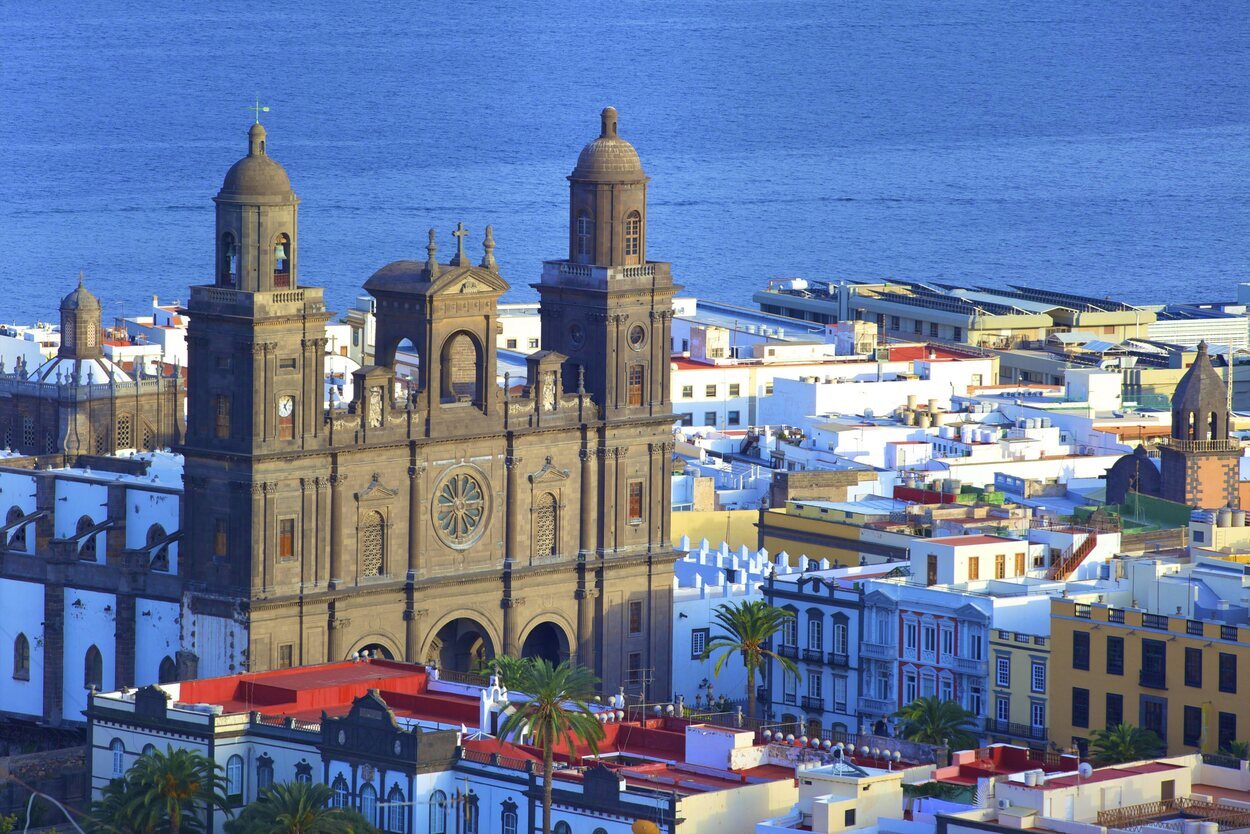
point(431, 262)
point(80, 278)
point(256, 140)
point(608, 123)
point(488, 259)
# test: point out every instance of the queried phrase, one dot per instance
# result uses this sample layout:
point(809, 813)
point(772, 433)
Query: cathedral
point(449, 519)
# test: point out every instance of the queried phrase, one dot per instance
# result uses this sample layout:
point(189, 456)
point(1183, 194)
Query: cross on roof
point(258, 108)
point(460, 234)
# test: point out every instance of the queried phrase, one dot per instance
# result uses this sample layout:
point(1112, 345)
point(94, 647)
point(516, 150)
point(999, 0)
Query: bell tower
point(255, 380)
point(607, 308)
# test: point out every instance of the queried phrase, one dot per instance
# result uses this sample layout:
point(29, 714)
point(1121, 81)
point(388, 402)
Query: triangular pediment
point(468, 280)
point(376, 489)
point(550, 472)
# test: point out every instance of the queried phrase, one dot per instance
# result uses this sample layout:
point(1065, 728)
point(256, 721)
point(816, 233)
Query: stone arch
point(462, 641)
point(408, 372)
point(375, 643)
point(548, 635)
point(462, 369)
point(228, 261)
point(283, 252)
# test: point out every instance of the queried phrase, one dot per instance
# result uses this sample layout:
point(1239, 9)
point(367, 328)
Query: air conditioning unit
point(1004, 803)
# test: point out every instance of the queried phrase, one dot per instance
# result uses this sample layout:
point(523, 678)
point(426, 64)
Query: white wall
point(145, 508)
point(90, 619)
point(156, 637)
point(219, 642)
point(18, 490)
point(75, 499)
point(22, 604)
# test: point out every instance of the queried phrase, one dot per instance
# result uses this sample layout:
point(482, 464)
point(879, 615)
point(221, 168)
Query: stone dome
point(608, 158)
point(80, 298)
point(257, 175)
point(1200, 402)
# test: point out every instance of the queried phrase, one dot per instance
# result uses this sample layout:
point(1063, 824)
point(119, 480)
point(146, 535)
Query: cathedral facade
point(448, 519)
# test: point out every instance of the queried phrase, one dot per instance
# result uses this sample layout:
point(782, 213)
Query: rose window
point(459, 508)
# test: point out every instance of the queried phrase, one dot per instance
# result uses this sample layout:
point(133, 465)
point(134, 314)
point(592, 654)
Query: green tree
point(1124, 743)
point(1237, 749)
point(507, 668)
point(298, 808)
point(930, 720)
point(163, 792)
point(557, 709)
point(748, 626)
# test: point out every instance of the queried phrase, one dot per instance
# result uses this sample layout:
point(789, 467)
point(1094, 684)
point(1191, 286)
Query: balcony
point(1153, 679)
point(791, 652)
point(840, 660)
point(813, 655)
point(970, 665)
point(876, 706)
point(878, 651)
point(813, 703)
point(1026, 732)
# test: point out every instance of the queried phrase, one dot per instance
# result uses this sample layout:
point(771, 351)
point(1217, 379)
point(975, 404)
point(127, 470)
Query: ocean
point(1100, 147)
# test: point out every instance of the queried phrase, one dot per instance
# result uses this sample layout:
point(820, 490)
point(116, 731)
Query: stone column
point(258, 549)
point(610, 499)
point(336, 528)
point(666, 490)
point(412, 631)
point(54, 652)
point(587, 541)
point(512, 626)
point(124, 641)
point(338, 637)
point(512, 539)
point(416, 519)
point(585, 617)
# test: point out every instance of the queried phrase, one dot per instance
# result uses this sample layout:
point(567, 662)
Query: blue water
point(1098, 146)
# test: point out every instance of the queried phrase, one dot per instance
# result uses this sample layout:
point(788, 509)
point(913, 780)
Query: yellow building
point(1019, 678)
point(833, 530)
point(1186, 679)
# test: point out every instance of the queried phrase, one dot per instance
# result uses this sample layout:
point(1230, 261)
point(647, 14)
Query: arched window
point(1213, 427)
point(118, 751)
point(21, 658)
point(815, 632)
point(438, 813)
point(372, 544)
point(584, 228)
point(234, 779)
point(395, 810)
point(17, 535)
point(369, 803)
point(472, 814)
point(1193, 426)
point(561, 827)
point(545, 531)
point(93, 670)
point(600, 831)
point(264, 774)
point(633, 236)
point(158, 556)
point(149, 749)
point(507, 818)
point(168, 671)
point(86, 546)
point(125, 432)
point(149, 438)
point(790, 629)
point(840, 641)
point(461, 370)
point(282, 262)
point(228, 268)
point(340, 793)
point(303, 772)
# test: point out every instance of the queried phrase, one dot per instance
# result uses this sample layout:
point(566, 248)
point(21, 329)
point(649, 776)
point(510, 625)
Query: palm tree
point(1125, 743)
point(930, 720)
point(557, 709)
point(298, 808)
point(507, 668)
point(1237, 749)
point(163, 791)
point(748, 628)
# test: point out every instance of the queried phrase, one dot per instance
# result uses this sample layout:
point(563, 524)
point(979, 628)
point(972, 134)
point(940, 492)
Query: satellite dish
point(1085, 770)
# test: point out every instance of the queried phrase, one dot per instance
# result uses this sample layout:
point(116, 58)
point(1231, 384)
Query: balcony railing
point(839, 659)
point(788, 651)
point(968, 664)
point(813, 655)
point(1022, 731)
point(879, 651)
point(876, 706)
point(814, 703)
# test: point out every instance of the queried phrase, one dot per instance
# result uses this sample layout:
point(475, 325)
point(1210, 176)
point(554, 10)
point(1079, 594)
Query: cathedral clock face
point(637, 336)
point(460, 507)
point(286, 406)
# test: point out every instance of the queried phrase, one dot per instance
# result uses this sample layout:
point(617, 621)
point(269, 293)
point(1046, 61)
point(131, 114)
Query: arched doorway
point(377, 651)
point(461, 645)
point(548, 641)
